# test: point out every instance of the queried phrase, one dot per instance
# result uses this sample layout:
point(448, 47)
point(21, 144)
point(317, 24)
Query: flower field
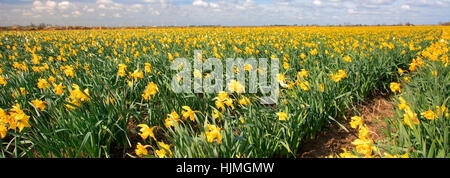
point(107, 93)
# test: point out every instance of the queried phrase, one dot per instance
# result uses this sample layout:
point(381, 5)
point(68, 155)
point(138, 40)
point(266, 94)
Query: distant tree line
point(444, 23)
point(43, 26)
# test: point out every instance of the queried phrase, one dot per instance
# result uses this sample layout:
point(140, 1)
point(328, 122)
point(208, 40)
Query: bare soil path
point(333, 138)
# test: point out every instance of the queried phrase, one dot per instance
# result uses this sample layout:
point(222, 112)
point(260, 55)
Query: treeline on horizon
point(43, 26)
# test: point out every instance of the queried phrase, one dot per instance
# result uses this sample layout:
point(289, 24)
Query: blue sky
point(222, 12)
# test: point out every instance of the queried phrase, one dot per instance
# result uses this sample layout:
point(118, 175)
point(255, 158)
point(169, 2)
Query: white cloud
point(63, 5)
point(88, 9)
point(104, 2)
point(317, 2)
point(213, 5)
point(48, 6)
point(76, 13)
point(374, 4)
point(405, 7)
point(200, 3)
point(108, 5)
point(245, 5)
point(135, 8)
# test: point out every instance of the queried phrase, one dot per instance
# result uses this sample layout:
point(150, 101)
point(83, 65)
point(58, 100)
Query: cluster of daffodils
point(338, 76)
point(213, 133)
point(347, 59)
point(43, 84)
point(236, 86)
point(150, 90)
point(122, 70)
point(301, 76)
point(77, 96)
point(68, 71)
point(21, 66)
point(223, 99)
point(15, 119)
point(431, 115)
point(39, 104)
point(364, 145)
point(137, 74)
point(3, 80)
point(148, 132)
point(435, 53)
point(410, 117)
point(173, 118)
point(282, 80)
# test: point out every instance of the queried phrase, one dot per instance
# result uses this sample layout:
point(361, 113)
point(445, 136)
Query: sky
point(222, 12)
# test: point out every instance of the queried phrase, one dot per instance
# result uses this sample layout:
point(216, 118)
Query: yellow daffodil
point(356, 122)
point(188, 113)
point(303, 73)
point(304, 85)
point(235, 86)
point(122, 70)
point(172, 119)
point(164, 149)
point(146, 131)
point(346, 154)
point(282, 116)
point(3, 130)
point(363, 132)
point(59, 89)
point(339, 76)
point(137, 74)
point(395, 87)
point(3, 81)
point(410, 116)
point(430, 115)
point(244, 101)
point(150, 91)
point(39, 104)
point(322, 87)
point(18, 118)
point(43, 84)
point(216, 114)
point(347, 59)
point(212, 133)
point(140, 150)
point(148, 68)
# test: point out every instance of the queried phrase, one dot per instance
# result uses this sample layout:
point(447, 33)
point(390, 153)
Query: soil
point(333, 138)
point(121, 151)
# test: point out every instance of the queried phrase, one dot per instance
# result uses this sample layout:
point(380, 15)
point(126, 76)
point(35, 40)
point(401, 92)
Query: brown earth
point(333, 138)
